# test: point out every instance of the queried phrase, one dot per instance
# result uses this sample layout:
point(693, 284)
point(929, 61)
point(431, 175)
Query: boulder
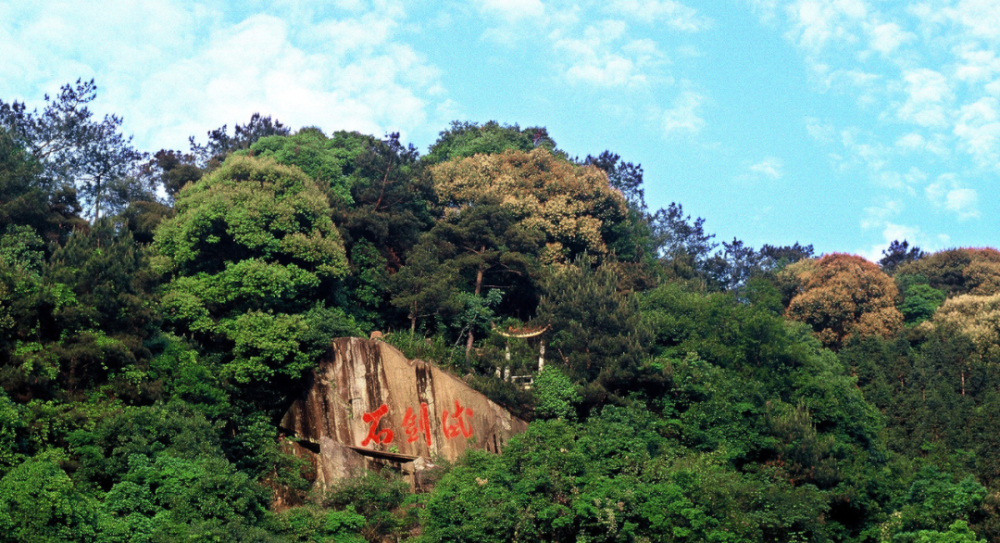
point(367, 406)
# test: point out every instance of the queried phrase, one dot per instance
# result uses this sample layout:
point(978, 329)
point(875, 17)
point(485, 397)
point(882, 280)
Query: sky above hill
point(842, 123)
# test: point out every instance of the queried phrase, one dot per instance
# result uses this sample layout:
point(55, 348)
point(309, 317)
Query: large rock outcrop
point(367, 406)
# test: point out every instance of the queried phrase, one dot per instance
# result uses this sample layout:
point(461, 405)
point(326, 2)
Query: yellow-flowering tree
point(572, 205)
point(958, 271)
point(978, 317)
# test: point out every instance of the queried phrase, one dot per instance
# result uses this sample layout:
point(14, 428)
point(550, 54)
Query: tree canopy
point(841, 295)
point(574, 206)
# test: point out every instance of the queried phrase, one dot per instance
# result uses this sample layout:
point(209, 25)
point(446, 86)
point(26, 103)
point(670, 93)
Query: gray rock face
point(369, 406)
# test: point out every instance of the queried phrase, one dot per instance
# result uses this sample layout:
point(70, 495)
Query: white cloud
point(674, 14)
point(350, 5)
point(900, 232)
point(863, 148)
point(963, 203)
point(975, 64)
point(978, 127)
point(764, 9)
point(596, 59)
point(877, 216)
point(609, 71)
point(927, 73)
point(887, 37)
point(684, 116)
point(895, 180)
point(911, 142)
point(992, 88)
point(512, 11)
point(820, 131)
point(510, 21)
point(866, 84)
point(176, 70)
point(946, 192)
point(815, 23)
point(770, 167)
point(978, 16)
point(891, 231)
point(937, 144)
point(928, 92)
point(936, 192)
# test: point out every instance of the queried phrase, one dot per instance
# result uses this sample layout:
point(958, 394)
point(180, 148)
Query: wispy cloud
point(509, 22)
point(674, 15)
point(886, 38)
point(978, 127)
point(879, 215)
point(511, 11)
point(947, 193)
point(599, 58)
point(606, 47)
point(816, 23)
point(927, 75)
point(684, 116)
point(770, 167)
point(928, 96)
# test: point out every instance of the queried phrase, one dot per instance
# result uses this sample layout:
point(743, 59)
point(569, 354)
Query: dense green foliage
point(151, 339)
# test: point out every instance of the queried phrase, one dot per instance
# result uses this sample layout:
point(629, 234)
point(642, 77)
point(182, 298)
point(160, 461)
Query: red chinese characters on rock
point(453, 424)
point(374, 434)
point(453, 429)
point(414, 426)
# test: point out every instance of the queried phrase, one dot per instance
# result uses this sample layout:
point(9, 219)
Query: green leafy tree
point(321, 158)
point(40, 503)
point(74, 148)
point(614, 478)
point(308, 524)
point(368, 284)
point(598, 333)
point(477, 313)
point(958, 532)
point(466, 139)
point(13, 440)
point(935, 502)
point(80, 319)
point(220, 144)
point(555, 395)
point(28, 199)
point(378, 501)
point(250, 252)
point(172, 170)
point(919, 300)
point(426, 287)
point(393, 196)
point(471, 249)
point(381, 201)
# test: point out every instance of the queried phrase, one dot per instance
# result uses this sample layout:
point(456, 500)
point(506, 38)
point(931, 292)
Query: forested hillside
point(158, 313)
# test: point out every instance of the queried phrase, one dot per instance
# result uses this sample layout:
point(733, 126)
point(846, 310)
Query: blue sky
point(842, 123)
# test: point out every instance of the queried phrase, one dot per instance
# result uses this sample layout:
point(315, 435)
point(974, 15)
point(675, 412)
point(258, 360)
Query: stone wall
point(367, 405)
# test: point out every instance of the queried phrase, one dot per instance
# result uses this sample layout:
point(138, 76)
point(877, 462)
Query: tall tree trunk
point(479, 289)
point(413, 319)
point(97, 203)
